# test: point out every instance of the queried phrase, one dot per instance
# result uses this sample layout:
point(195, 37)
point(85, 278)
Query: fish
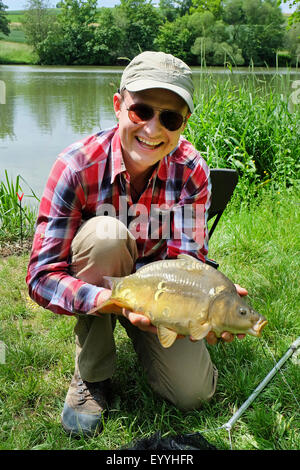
point(183, 296)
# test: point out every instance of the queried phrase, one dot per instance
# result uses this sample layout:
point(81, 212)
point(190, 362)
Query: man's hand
point(212, 339)
point(140, 321)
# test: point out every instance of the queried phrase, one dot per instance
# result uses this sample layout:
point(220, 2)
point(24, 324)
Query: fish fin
point(110, 306)
point(187, 257)
point(166, 337)
point(199, 330)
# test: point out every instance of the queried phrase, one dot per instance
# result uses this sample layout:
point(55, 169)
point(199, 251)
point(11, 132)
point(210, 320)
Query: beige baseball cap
point(159, 70)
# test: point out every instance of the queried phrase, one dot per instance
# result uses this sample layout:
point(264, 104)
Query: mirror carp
point(184, 296)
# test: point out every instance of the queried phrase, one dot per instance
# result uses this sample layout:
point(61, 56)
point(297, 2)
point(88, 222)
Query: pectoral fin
point(110, 306)
point(199, 330)
point(166, 337)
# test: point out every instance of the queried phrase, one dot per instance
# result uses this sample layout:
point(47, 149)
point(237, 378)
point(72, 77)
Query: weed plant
point(11, 211)
point(257, 246)
point(252, 126)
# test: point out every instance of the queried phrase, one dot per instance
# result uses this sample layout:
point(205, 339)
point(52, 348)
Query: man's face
point(146, 143)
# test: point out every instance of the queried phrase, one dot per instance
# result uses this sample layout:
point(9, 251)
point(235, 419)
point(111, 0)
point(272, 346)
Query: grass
point(250, 126)
point(16, 53)
point(257, 245)
point(16, 221)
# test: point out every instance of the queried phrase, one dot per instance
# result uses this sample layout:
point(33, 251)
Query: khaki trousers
point(183, 373)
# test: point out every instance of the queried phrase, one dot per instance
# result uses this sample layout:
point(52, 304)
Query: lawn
point(257, 245)
point(16, 53)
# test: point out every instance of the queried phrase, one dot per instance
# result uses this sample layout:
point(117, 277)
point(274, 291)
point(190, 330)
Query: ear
point(187, 118)
point(117, 101)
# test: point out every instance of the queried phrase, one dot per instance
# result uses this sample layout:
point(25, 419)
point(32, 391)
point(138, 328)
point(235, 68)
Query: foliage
point(204, 32)
point(10, 210)
point(139, 21)
point(4, 23)
point(250, 128)
point(295, 16)
point(176, 38)
point(37, 21)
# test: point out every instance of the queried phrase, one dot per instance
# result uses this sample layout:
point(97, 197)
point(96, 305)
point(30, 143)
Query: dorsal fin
point(187, 257)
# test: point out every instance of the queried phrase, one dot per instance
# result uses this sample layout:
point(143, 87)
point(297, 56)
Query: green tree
point(233, 12)
point(140, 21)
point(72, 40)
point(201, 23)
point(108, 38)
point(37, 21)
point(4, 23)
point(214, 6)
point(176, 38)
point(168, 10)
point(295, 16)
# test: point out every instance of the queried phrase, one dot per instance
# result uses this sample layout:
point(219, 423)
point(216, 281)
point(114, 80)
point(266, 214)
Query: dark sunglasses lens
point(140, 112)
point(171, 120)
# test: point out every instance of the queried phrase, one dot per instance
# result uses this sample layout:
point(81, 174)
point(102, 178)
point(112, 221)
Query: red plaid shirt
point(91, 173)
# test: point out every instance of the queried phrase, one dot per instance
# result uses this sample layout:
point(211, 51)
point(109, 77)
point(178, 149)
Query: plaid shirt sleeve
point(48, 277)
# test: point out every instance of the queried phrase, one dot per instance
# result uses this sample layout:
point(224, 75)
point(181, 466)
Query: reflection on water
point(47, 108)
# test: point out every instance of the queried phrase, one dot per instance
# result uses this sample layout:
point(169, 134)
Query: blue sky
point(20, 4)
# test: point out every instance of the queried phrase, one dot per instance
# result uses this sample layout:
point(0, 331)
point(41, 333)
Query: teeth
point(147, 142)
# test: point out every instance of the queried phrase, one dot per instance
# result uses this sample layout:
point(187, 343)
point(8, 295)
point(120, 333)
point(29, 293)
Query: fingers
point(227, 337)
point(241, 290)
point(140, 321)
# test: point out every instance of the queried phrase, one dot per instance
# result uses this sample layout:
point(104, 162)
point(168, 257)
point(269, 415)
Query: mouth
point(258, 327)
point(148, 144)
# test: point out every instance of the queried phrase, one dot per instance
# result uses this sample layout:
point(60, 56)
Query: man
point(89, 226)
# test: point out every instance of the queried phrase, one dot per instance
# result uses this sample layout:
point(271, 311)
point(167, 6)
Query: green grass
point(16, 219)
point(16, 53)
point(257, 245)
point(16, 35)
point(249, 125)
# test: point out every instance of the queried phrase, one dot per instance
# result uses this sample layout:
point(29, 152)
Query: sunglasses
point(140, 113)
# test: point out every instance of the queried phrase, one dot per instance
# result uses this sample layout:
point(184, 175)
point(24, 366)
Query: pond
point(48, 108)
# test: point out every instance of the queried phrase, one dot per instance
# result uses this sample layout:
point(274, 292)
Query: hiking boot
point(84, 406)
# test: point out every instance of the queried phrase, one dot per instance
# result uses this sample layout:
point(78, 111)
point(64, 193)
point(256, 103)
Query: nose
point(153, 125)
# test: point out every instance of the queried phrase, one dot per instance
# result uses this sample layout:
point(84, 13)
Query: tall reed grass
point(248, 125)
point(14, 216)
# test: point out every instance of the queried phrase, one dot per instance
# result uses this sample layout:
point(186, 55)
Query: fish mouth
point(258, 327)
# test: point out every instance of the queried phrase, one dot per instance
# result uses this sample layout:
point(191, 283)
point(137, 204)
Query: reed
point(16, 221)
point(250, 125)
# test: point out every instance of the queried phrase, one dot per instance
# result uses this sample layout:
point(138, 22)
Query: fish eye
point(243, 311)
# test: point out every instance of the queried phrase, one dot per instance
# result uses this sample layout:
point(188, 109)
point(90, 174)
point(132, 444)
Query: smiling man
point(89, 226)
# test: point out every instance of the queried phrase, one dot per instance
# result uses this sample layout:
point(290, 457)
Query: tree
point(214, 6)
point(168, 10)
point(72, 38)
point(176, 38)
point(140, 21)
point(37, 21)
point(295, 16)
point(233, 12)
point(4, 28)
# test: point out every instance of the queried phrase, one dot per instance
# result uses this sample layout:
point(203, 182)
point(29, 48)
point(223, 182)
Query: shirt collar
point(117, 162)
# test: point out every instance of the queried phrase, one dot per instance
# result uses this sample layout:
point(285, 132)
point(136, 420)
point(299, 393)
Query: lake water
point(48, 108)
